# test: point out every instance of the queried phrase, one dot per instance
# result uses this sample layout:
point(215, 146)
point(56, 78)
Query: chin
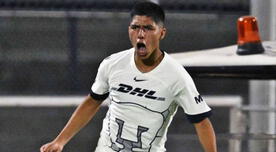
point(142, 56)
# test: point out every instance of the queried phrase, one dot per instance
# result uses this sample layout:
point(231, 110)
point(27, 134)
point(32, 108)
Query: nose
point(141, 33)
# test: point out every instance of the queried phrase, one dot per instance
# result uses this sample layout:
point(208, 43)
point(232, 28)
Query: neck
point(148, 64)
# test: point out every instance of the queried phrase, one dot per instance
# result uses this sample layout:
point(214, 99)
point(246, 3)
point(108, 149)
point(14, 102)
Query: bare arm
point(206, 135)
point(82, 115)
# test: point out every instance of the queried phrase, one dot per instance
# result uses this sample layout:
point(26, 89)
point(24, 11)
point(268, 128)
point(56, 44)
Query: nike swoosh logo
point(139, 80)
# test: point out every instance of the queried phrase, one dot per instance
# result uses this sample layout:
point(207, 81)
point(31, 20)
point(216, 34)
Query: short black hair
point(149, 9)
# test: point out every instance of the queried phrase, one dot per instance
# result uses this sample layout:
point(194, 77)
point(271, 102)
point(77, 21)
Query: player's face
point(145, 36)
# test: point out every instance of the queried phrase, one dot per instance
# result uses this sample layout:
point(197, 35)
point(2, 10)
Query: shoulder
point(181, 81)
point(121, 56)
point(177, 72)
point(175, 67)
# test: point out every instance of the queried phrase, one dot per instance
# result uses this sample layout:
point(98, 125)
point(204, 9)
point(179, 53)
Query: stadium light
point(249, 41)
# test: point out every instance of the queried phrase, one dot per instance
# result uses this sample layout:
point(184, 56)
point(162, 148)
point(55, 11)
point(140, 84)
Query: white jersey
point(143, 104)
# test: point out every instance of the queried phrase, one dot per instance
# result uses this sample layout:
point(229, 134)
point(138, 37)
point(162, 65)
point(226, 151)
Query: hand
point(51, 147)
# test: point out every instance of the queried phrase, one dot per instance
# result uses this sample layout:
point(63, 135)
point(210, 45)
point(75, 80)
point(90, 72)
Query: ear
point(163, 33)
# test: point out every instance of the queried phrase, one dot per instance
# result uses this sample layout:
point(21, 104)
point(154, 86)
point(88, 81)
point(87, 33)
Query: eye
point(134, 27)
point(149, 27)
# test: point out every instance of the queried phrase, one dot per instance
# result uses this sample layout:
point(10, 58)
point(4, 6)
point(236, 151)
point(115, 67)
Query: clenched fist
point(51, 147)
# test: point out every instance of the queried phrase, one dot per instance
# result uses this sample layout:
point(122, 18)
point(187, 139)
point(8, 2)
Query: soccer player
point(145, 86)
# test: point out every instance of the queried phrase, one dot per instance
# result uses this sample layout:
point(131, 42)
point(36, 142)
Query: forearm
point(206, 135)
point(82, 115)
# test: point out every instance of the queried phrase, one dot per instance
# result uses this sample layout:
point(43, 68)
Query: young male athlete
point(145, 86)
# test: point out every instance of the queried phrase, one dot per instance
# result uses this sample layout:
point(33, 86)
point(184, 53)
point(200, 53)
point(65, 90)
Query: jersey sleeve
point(100, 87)
point(189, 99)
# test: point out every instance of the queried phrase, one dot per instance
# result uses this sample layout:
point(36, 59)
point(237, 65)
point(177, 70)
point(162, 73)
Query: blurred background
point(55, 46)
point(52, 48)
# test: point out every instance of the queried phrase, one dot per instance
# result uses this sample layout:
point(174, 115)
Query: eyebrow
point(144, 26)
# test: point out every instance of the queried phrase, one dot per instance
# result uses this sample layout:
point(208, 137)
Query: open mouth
point(140, 46)
point(141, 49)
